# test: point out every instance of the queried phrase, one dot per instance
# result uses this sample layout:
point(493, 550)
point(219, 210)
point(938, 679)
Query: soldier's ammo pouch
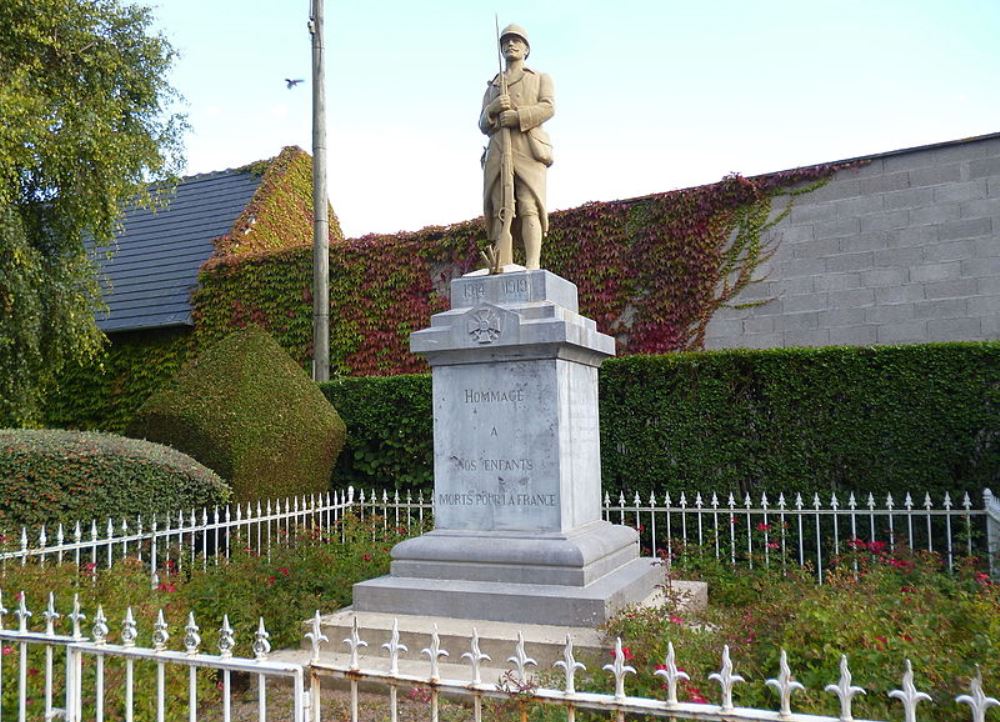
point(540, 145)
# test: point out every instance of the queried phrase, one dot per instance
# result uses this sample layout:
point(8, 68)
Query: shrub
point(881, 419)
point(51, 476)
point(391, 439)
point(245, 409)
point(879, 608)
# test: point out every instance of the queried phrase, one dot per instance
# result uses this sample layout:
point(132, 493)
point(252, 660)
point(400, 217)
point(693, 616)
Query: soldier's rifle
point(505, 211)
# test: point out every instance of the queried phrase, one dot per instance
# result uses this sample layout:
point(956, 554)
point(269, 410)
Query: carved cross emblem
point(485, 325)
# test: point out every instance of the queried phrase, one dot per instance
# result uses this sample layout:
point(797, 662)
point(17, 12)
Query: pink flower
point(763, 526)
point(876, 547)
point(167, 587)
point(626, 654)
point(773, 545)
point(674, 619)
point(696, 696)
point(283, 571)
point(8, 650)
point(857, 544)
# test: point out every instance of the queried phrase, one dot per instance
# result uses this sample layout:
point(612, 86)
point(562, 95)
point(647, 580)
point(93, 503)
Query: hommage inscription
point(490, 396)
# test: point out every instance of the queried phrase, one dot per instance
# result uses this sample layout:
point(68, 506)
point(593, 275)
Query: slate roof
point(149, 279)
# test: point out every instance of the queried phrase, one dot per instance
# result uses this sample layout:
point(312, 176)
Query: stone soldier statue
point(518, 113)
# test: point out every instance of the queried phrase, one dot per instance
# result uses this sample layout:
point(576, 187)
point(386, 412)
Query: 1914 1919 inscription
point(509, 289)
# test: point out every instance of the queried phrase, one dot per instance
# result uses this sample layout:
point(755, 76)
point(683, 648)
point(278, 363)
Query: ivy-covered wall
point(105, 394)
point(651, 271)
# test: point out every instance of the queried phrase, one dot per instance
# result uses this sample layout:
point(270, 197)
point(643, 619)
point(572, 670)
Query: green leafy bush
point(882, 419)
point(391, 437)
point(50, 476)
point(246, 410)
point(877, 607)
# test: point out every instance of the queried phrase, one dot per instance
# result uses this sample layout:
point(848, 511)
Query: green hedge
point(49, 476)
point(908, 418)
point(390, 438)
point(246, 410)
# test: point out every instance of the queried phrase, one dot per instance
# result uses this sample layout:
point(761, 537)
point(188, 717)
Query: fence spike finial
point(160, 634)
point(844, 690)
point(520, 658)
point(394, 647)
point(51, 615)
point(619, 669)
point(100, 630)
point(909, 695)
point(76, 616)
point(22, 614)
point(192, 640)
point(261, 644)
point(435, 653)
point(129, 632)
point(726, 679)
point(569, 665)
point(227, 638)
point(977, 699)
point(316, 636)
point(668, 670)
point(785, 685)
point(475, 657)
point(354, 642)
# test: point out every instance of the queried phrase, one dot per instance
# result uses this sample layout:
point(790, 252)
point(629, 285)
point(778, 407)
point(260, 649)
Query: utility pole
point(321, 221)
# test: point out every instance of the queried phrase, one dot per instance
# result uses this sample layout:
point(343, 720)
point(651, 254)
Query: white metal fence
point(804, 530)
point(518, 685)
point(73, 685)
point(740, 532)
point(195, 537)
point(77, 683)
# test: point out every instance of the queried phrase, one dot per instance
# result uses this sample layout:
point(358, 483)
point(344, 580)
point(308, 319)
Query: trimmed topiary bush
point(246, 410)
point(52, 476)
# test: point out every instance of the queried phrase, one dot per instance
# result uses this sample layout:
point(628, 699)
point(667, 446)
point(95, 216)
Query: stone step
point(543, 643)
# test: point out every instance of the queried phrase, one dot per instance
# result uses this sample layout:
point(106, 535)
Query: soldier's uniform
point(532, 97)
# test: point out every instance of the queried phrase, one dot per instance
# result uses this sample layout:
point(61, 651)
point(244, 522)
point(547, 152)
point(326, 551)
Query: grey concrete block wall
point(905, 249)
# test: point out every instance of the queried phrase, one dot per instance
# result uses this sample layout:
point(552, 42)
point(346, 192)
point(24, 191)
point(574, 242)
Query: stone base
point(575, 558)
point(578, 579)
point(587, 606)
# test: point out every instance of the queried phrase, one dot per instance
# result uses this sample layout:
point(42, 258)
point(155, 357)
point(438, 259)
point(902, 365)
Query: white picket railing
point(809, 530)
point(737, 531)
point(64, 685)
point(519, 686)
point(190, 537)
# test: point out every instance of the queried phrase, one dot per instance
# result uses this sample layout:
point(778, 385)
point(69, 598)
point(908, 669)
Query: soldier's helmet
point(514, 29)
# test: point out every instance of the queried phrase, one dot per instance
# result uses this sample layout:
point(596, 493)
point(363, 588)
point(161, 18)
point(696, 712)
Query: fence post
point(992, 505)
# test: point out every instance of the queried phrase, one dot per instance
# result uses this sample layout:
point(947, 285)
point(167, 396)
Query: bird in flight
point(292, 83)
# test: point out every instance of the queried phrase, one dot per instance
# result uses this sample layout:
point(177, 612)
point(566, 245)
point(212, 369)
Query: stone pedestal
point(517, 472)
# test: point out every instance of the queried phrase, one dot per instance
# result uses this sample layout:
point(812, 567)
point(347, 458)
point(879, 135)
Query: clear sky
point(651, 95)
